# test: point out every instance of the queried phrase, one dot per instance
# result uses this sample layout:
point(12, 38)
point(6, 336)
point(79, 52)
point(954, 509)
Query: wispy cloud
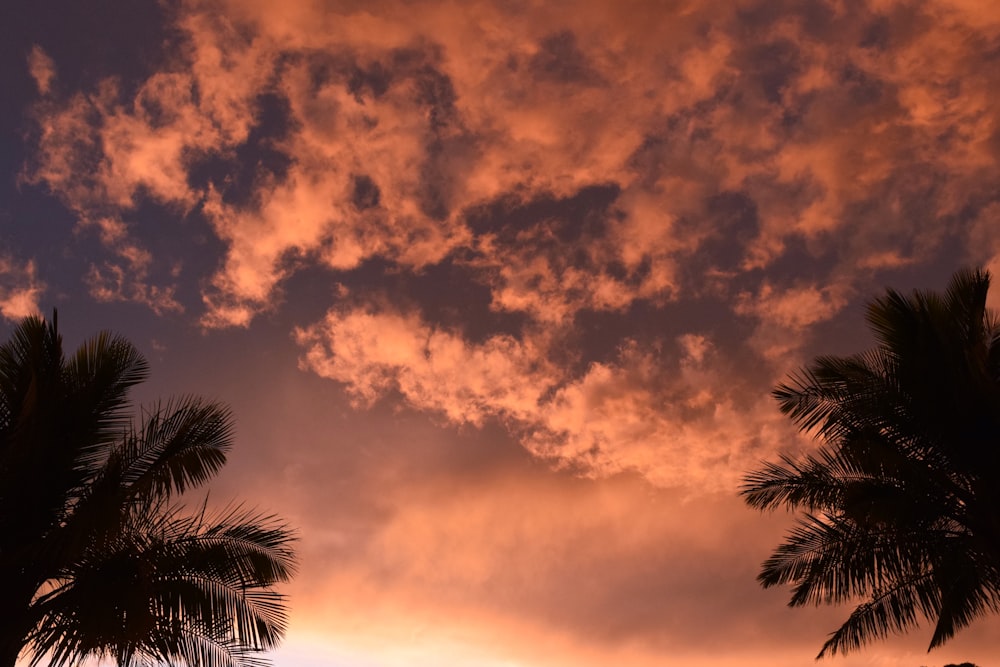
point(42, 69)
point(125, 277)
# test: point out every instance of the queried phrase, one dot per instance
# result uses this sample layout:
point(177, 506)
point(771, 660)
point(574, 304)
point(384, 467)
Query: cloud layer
point(570, 164)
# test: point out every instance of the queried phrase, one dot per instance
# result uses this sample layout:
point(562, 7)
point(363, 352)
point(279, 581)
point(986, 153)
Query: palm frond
point(98, 378)
point(179, 445)
point(900, 500)
point(896, 609)
point(171, 583)
point(100, 563)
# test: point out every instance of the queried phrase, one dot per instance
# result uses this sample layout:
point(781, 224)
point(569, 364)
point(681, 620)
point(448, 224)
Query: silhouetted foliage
point(900, 506)
point(97, 559)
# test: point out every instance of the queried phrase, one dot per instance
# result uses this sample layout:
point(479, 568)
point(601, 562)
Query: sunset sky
point(498, 290)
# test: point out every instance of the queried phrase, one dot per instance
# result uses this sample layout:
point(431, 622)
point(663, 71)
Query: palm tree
point(97, 559)
point(900, 505)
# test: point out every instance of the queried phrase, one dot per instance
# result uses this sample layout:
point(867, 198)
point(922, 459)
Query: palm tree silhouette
point(900, 506)
point(98, 559)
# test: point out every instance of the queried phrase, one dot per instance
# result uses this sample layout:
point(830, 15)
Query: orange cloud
point(20, 288)
point(399, 119)
point(126, 277)
point(377, 352)
point(572, 162)
point(678, 426)
point(784, 315)
point(677, 420)
point(42, 69)
point(514, 566)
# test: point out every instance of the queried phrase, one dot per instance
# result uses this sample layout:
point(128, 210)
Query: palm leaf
point(100, 563)
point(901, 499)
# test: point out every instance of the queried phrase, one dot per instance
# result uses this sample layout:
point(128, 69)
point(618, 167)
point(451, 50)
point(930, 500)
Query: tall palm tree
point(900, 505)
point(97, 559)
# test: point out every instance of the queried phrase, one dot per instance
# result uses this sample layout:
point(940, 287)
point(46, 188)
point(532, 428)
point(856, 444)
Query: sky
point(497, 291)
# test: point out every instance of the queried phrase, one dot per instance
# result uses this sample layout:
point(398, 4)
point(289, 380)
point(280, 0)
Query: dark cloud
point(559, 59)
point(726, 226)
point(366, 193)
point(862, 88)
point(771, 66)
point(876, 34)
point(578, 216)
point(371, 81)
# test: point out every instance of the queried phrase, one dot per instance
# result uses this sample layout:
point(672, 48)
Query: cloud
point(100, 152)
point(427, 543)
point(512, 565)
point(566, 255)
point(42, 69)
point(590, 564)
point(785, 315)
point(125, 278)
point(852, 136)
point(20, 288)
point(675, 417)
point(675, 421)
point(766, 161)
point(377, 352)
